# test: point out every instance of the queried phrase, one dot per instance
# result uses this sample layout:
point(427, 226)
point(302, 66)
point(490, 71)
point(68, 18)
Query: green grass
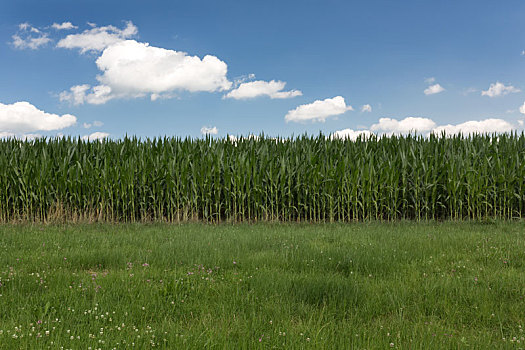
point(333, 286)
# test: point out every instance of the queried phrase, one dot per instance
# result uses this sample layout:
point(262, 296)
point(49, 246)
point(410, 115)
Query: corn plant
point(306, 178)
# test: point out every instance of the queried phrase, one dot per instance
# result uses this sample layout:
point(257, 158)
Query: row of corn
point(306, 178)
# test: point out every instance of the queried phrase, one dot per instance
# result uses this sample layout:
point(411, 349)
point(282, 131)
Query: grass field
point(333, 286)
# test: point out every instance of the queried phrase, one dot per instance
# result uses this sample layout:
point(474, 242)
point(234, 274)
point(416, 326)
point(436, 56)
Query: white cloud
point(404, 126)
point(242, 79)
point(29, 42)
point(95, 123)
point(499, 89)
point(28, 28)
point(424, 126)
point(476, 127)
point(79, 94)
point(63, 26)
point(98, 38)
point(135, 68)
point(23, 117)
point(5, 134)
point(164, 96)
point(75, 95)
point(100, 94)
point(131, 69)
point(318, 111)
point(29, 37)
point(430, 80)
point(208, 130)
point(95, 136)
point(366, 108)
point(522, 108)
point(434, 89)
point(28, 137)
point(351, 134)
point(24, 137)
point(253, 89)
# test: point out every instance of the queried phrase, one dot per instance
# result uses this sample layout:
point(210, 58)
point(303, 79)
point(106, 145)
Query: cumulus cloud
point(499, 89)
point(426, 126)
point(32, 43)
point(28, 136)
point(209, 130)
point(28, 28)
point(404, 126)
point(522, 108)
point(476, 127)
point(242, 79)
point(132, 69)
point(98, 38)
point(24, 137)
point(366, 108)
point(63, 26)
point(351, 134)
point(95, 123)
point(79, 94)
point(29, 37)
point(434, 89)
point(99, 94)
point(253, 89)
point(76, 94)
point(95, 136)
point(23, 117)
point(5, 135)
point(318, 111)
point(164, 96)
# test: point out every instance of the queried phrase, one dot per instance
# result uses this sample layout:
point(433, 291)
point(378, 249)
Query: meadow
point(305, 179)
point(373, 285)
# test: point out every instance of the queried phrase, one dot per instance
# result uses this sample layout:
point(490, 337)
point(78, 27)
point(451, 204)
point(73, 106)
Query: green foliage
point(451, 285)
point(311, 179)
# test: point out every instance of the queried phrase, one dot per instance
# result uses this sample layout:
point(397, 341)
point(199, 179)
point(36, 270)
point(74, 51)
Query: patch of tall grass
point(407, 285)
point(306, 178)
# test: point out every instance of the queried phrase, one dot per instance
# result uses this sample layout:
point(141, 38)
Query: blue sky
point(279, 67)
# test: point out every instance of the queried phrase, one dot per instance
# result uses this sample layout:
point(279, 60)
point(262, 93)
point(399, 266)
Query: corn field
point(311, 179)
